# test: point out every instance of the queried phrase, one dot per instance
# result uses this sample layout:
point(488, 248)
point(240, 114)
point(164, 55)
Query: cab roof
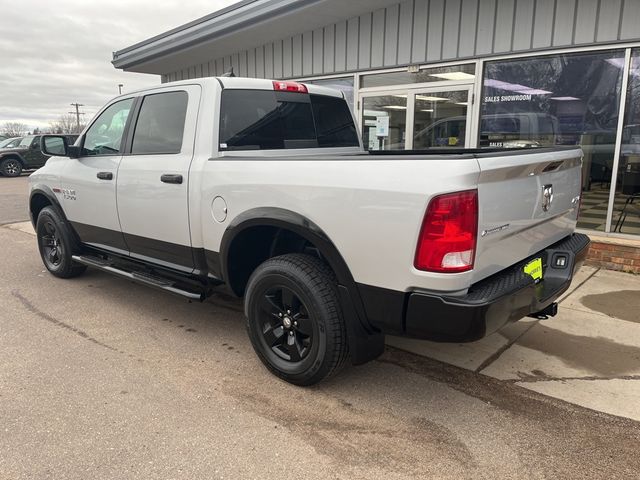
point(240, 83)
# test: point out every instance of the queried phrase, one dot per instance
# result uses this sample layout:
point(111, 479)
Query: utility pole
point(77, 113)
point(120, 85)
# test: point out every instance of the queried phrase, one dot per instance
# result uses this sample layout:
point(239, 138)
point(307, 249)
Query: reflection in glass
point(571, 99)
point(384, 122)
point(626, 211)
point(440, 119)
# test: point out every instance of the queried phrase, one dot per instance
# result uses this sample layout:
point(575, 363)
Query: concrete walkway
point(589, 354)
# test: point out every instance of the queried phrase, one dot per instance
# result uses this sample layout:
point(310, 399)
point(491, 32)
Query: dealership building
point(450, 73)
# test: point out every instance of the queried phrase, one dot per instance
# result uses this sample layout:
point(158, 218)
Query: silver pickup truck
point(264, 186)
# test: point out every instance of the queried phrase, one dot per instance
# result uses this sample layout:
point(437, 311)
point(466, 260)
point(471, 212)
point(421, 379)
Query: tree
point(13, 129)
point(66, 123)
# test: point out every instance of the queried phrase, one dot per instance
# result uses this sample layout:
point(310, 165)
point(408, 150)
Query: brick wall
point(613, 254)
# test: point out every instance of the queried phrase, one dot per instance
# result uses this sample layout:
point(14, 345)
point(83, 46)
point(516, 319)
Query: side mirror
point(58, 146)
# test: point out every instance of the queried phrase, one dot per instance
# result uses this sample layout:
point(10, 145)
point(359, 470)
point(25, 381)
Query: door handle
point(105, 175)
point(171, 178)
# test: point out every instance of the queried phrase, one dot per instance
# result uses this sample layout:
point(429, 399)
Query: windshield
point(26, 141)
point(10, 142)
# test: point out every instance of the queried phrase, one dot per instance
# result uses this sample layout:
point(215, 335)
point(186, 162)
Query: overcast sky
point(54, 53)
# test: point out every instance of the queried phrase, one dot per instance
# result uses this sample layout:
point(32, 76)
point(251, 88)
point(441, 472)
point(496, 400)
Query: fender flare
point(46, 191)
point(365, 342)
point(286, 219)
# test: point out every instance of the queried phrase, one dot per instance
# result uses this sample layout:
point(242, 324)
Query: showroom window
point(626, 211)
point(569, 99)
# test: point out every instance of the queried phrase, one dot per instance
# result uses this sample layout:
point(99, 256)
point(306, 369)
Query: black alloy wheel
point(52, 248)
point(11, 167)
point(286, 327)
point(294, 318)
point(56, 244)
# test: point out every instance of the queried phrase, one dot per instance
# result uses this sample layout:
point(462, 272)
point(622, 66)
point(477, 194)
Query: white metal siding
point(428, 31)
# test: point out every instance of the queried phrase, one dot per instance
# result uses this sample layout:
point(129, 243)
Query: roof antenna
point(228, 73)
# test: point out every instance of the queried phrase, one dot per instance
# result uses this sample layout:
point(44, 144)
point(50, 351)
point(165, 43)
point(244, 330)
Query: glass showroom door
point(440, 118)
point(416, 119)
point(384, 121)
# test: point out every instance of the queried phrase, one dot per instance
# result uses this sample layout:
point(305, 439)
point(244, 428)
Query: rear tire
point(294, 319)
point(11, 167)
point(56, 244)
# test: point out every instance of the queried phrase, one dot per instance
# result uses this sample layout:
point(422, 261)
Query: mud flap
point(364, 345)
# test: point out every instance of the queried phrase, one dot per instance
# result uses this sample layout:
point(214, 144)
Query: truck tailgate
point(527, 201)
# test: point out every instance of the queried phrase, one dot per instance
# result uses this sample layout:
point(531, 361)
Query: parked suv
point(25, 156)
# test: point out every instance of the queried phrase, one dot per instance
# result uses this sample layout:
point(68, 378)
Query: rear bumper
point(489, 305)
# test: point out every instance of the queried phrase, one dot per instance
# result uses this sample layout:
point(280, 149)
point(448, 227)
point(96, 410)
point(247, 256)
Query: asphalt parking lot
point(13, 199)
point(103, 378)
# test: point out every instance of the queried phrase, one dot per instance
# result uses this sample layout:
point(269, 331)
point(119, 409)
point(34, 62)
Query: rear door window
point(160, 124)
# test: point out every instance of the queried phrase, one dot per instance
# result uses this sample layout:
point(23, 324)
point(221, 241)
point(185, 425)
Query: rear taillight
point(447, 242)
point(289, 87)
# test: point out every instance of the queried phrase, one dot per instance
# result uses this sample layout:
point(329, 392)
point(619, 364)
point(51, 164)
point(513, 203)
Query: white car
point(264, 186)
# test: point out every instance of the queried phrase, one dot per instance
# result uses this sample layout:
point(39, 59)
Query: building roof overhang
point(243, 25)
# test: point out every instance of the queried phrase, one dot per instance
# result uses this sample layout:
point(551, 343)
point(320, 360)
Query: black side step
point(94, 261)
point(154, 279)
point(139, 277)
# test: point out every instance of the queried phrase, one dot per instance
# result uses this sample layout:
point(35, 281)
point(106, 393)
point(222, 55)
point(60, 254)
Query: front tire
point(294, 319)
point(56, 244)
point(11, 167)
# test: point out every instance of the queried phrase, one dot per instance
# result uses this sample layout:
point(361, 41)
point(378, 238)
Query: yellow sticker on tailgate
point(534, 268)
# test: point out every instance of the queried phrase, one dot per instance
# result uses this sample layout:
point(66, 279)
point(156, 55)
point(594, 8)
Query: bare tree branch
point(13, 129)
point(65, 124)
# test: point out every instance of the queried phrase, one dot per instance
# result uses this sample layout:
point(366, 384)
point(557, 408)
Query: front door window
point(104, 137)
